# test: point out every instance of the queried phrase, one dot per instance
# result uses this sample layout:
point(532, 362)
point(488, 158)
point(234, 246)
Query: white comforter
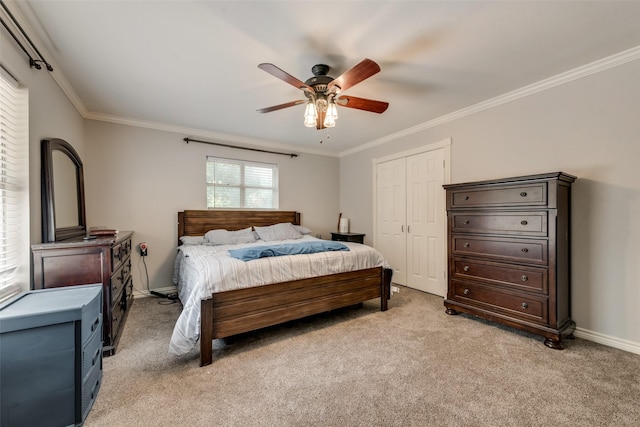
point(201, 270)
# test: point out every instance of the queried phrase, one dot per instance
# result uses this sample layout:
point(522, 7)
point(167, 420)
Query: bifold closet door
point(411, 219)
point(426, 222)
point(391, 216)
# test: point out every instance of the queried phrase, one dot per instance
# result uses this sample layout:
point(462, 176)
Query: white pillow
point(282, 231)
point(192, 240)
point(226, 237)
point(302, 230)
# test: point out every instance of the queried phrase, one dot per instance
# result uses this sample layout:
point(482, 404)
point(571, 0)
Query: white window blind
point(14, 187)
point(237, 184)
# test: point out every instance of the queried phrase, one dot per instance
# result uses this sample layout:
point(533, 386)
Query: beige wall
point(589, 128)
point(51, 115)
point(138, 179)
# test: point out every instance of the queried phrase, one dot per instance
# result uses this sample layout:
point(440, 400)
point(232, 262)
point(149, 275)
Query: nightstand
point(348, 237)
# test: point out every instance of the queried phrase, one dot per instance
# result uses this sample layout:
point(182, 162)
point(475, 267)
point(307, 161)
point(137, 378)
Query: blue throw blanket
point(255, 252)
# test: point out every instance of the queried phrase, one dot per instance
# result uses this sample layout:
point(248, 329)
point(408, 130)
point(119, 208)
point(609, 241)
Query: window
point(237, 184)
point(14, 187)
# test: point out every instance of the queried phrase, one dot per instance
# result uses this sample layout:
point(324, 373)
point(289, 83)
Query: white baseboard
point(630, 346)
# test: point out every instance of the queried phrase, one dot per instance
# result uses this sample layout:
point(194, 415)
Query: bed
point(211, 312)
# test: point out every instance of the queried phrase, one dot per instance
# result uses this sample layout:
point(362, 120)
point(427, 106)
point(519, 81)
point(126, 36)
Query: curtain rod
point(188, 140)
point(35, 63)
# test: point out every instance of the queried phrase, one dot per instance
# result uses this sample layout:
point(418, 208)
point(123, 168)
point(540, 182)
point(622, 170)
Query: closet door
point(425, 222)
point(391, 216)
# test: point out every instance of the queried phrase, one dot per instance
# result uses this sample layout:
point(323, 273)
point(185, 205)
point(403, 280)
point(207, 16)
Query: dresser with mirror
point(68, 256)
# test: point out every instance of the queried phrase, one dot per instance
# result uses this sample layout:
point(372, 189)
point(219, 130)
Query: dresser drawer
point(117, 314)
point(524, 306)
point(120, 252)
point(511, 195)
point(90, 389)
point(119, 279)
point(92, 355)
point(517, 223)
point(92, 319)
point(521, 250)
point(514, 276)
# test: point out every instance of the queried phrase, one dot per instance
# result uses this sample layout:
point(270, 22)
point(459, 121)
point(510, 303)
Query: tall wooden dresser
point(105, 260)
point(509, 253)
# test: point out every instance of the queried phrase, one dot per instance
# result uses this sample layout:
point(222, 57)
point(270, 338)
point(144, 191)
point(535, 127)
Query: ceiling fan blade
point(365, 69)
point(363, 104)
point(284, 76)
point(281, 106)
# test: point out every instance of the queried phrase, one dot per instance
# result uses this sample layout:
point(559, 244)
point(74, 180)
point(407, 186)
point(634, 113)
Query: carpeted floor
point(410, 366)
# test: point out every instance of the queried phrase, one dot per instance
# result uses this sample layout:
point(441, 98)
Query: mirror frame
point(51, 233)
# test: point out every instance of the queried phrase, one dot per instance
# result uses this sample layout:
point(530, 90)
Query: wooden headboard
point(198, 222)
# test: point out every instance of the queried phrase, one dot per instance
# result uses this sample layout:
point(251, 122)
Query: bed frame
point(232, 312)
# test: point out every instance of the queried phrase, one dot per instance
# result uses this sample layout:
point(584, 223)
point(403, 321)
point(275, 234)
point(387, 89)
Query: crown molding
point(201, 133)
point(546, 84)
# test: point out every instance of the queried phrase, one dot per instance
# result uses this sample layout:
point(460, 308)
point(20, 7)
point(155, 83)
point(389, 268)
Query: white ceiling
point(191, 66)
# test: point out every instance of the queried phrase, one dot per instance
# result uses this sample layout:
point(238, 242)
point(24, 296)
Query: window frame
point(15, 268)
point(242, 186)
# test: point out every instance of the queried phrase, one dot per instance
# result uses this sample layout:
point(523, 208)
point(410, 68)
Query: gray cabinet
point(50, 356)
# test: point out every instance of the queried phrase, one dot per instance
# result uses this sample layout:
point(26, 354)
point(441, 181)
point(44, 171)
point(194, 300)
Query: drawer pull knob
point(523, 194)
point(466, 291)
point(95, 324)
point(524, 305)
point(524, 278)
point(466, 221)
point(466, 244)
point(466, 197)
point(466, 268)
point(525, 250)
point(524, 222)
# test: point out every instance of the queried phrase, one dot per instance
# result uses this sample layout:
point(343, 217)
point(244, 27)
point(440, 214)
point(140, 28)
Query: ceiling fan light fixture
point(310, 114)
point(321, 90)
point(332, 114)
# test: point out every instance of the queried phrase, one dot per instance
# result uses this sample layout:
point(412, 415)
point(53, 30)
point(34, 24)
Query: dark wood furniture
point(509, 253)
point(232, 312)
point(105, 260)
point(62, 191)
point(348, 237)
point(50, 356)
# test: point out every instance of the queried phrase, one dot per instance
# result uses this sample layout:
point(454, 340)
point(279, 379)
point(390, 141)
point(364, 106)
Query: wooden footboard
point(233, 312)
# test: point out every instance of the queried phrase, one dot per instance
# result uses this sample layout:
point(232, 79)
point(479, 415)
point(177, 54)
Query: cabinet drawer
point(92, 319)
point(119, 279)
point(523, 306)
point(513, 276)
point(521, 250)
point(120, 252)
point(92, 355)
point(518, 223)
point(90, 389)
point(117, 314)
point(511, 195)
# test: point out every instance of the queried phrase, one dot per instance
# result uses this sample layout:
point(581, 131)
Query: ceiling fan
point(324, 92)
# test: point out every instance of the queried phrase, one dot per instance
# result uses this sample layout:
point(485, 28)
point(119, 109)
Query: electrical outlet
point(143, 249)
